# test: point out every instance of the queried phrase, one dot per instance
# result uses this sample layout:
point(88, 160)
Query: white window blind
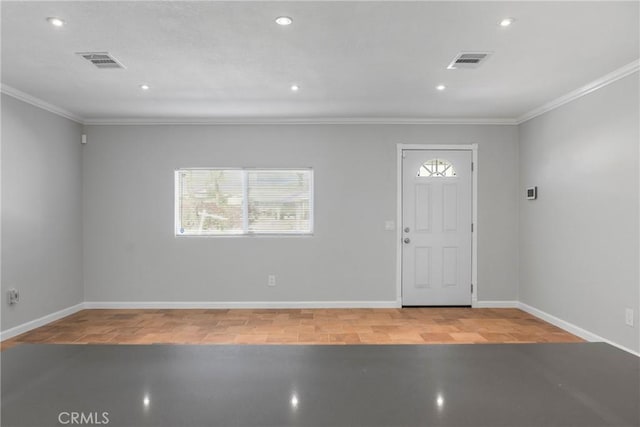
point(244, 201)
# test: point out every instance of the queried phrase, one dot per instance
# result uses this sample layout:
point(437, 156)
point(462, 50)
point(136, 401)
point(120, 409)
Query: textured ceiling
point(351, 59)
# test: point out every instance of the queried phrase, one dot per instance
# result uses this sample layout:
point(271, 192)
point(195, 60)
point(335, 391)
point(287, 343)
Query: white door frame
point(474, 206)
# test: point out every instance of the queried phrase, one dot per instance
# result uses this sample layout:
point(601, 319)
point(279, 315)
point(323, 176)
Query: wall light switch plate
point(628, 317)
point(13, 296)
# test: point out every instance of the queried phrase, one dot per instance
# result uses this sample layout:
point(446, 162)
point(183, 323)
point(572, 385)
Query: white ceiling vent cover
point(468, 60)
point(101, 59)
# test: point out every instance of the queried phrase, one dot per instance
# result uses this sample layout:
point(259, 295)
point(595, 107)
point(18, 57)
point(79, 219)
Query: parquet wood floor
point(297, 326)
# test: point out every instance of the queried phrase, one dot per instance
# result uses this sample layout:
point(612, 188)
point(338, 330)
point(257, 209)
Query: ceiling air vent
point(468, 60)
point(101, 59)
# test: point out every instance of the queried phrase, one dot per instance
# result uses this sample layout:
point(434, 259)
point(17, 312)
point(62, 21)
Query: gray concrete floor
point(586, 384)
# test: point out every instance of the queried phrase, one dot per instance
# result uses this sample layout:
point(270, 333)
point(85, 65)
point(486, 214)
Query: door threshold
point(436, 306)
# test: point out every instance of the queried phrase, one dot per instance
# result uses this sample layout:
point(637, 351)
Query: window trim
point(245, 203)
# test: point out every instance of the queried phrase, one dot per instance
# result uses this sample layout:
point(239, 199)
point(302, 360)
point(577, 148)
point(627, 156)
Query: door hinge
point(472, 227)
point(472, 288)
point(471, 166)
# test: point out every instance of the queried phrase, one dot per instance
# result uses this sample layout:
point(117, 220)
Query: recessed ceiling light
point(284, 20)
point(295, 88)
point(507, 21)
point(441, 87)
point(56, 22)
point(145, 87)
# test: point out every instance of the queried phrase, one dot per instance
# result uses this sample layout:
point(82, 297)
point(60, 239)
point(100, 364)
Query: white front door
point(436, 227)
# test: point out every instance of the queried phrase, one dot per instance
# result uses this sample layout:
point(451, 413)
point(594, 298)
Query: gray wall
point(131, 253)
point(579, 241)
point(41, 212)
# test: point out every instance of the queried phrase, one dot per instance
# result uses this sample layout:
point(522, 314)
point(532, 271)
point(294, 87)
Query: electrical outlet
point(628, 316)
point(13, 296)
point(271, 280)
point(389, 225)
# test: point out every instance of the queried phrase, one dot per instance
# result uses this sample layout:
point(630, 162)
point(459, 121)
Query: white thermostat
point(532, 193)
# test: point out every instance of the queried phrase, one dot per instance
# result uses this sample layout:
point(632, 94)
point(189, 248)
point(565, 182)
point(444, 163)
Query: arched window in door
point(437, 168)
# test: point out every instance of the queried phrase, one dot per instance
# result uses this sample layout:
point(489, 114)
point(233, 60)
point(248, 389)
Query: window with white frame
point(437, 168)
point(217, 201)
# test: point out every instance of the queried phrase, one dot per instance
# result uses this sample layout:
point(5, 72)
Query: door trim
point(474, 207)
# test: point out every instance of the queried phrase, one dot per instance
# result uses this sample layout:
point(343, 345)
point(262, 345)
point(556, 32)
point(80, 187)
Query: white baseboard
point(570, 327)
point(240, 304)
point(26, 327)
point(495, 304)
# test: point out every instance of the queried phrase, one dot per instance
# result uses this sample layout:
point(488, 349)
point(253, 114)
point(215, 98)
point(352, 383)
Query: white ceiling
point(351, 59)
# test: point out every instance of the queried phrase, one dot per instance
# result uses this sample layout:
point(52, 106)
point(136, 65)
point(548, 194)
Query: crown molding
point(582, 91)
point(29, 99)
point(558, 102)
point(301, 121)
point(37, 102)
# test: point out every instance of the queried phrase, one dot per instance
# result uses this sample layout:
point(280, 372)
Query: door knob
point(406, 230)
point(407, 240)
